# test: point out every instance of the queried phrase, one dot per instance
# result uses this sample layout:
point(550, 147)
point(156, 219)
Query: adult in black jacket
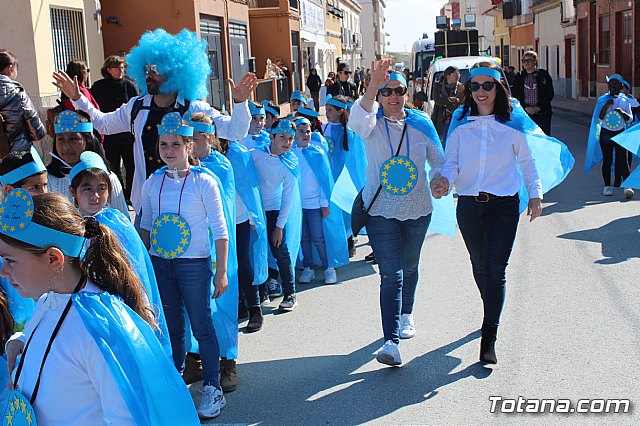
point(342, 86)
point(533, 87)
point(314, 83)
point(111, 93)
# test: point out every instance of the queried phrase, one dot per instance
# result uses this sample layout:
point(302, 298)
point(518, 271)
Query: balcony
point(260, 4)
point(515, 13)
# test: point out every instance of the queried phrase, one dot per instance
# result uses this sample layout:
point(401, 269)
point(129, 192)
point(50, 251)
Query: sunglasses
point(487, 86)
point(150, 70)
point(526, 61)
point(346, 72)
point(400, 91)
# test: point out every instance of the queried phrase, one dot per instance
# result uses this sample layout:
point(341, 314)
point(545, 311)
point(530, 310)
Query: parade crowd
point(105, 319)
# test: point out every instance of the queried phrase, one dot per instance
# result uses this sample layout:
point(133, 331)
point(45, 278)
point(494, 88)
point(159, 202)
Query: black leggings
point(622, 168)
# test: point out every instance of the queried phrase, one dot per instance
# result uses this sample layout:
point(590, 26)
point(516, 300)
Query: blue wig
point(181, 59)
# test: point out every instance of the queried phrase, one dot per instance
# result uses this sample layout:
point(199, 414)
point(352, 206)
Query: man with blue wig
point(172, 72)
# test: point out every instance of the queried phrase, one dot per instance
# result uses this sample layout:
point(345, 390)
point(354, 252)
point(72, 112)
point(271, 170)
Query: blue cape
point(248, 189)
point(630, 140)
point(443, 218)
point(593, 155)
point(319, 140)
point(21, 307)
point(147, 379)
point(138, 255)
point(552, 157)
point(333, 226)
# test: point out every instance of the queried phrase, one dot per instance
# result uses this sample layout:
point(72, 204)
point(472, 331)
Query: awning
point(323, 45)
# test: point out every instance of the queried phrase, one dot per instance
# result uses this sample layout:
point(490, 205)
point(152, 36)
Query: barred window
point(67, 28)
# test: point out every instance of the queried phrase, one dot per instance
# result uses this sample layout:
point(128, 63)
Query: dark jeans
point(543, 121)
point(248, 292)
point(623, 168)
point(281, 254)
point(489, 231)
point(312, 232)
point(188, 282)
point(316, 100)
point(120, 147)
point(396, 245)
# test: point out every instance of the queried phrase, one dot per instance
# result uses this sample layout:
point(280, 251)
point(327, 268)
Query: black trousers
point(622, 159)
point(543, 121)
point(248, 292)
point(119, 148)
point(489, 231)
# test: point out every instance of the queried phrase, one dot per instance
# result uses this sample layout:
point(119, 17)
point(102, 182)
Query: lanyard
point(46, 353)
point(164, 176)
point(404, 132)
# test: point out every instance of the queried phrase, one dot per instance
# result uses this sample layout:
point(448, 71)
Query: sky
point(406, 20)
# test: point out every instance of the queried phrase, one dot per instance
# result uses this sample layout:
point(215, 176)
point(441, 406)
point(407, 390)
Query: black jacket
point(314, 83)
point(545, 89)
point(344, 88)
point(112, 94)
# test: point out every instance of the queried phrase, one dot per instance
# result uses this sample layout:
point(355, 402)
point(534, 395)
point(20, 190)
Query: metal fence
point(282, 90)
point(67, 29)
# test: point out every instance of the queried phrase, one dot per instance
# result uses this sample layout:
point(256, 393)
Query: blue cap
point(615, 77)
point(284, 126)
point(626, 84)
point(255, 110)
point(171, 124)
point(270, 110)
point(69, 122)
point(395, 76)
point(298, 96)
point(32, 168)
point(302, 120)
point(335, 103)
point(209, 129)
point(88, 160)
point(308, 112)
point(491, 72)
point(16, 214)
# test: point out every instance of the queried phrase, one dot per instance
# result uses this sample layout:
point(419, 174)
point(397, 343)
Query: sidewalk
point(583, 106)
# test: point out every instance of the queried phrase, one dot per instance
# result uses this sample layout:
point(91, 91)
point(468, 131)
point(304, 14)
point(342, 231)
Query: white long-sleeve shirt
point(76, 386)
point(276, 184)
point(201, 207)
point(232, 128)
point(416, 203)
point(312, 195)
point(481, 156)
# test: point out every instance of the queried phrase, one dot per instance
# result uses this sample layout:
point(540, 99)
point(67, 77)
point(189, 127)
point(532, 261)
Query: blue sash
point(593, 155)
point(630, 140)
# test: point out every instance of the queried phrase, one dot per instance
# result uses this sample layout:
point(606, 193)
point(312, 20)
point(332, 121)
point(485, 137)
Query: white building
point(312, 34)
point(351, 33)
point(472, 19)
point(373, 32)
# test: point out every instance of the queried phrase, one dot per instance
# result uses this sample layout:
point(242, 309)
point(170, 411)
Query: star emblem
point(393, 161)
point(28, 213)
point(403, 190)
point(413, 177)
point(395, 189)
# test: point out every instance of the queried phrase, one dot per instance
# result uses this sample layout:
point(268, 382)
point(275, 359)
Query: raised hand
point(245, 87)
point(379, 73)
point(68, 86)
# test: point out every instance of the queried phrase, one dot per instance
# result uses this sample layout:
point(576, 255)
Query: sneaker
point(330, 276)
point(274, 288)
point(307, 275)
point(607, 190)
point(389, 354)
point(228, 375)
point(288, 302)
point(264, 295)
point(211, 403)
point(407, 326)
point(628, 192)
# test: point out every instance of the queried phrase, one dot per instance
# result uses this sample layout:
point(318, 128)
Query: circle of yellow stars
point(613, 119)
point(171, 122)
point(13, 219)
point(176, 233)
point(398, 175)
point(67, 121)
point(19, 411)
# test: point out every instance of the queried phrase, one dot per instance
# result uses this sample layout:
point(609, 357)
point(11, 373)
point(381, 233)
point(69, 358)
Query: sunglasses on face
point(487, 86)
point(150, 70)
point(346, 72)
point(400, 91)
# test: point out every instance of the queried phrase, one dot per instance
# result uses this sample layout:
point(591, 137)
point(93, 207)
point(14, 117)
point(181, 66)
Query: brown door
point(583, 56)
point(624, 44)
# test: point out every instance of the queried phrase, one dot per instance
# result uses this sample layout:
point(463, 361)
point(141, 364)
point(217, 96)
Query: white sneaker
point(330, 276)
point(307, 275)
point(607, 190)
point(389, 354)
point(211, 403)
point(628, 192)
point(407, 326)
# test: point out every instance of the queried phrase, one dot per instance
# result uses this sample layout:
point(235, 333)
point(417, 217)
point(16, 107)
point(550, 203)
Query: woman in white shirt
point(482, 158)
point(397, 194)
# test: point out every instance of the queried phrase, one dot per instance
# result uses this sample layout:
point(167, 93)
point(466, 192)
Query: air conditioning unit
point(355, 37)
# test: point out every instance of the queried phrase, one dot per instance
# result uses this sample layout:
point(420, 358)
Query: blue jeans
point(281, 254)
point(312, 233)
point(489, 231)
point(188, 282)
point(396, 245)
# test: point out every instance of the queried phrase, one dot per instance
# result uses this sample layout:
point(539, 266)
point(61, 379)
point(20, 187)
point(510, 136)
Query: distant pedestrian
point(533, 87)
point(314, 83)
point(448, 95)
point(357, 80)
point(343, 86)
point(363, 75)
point(77, 69)
point(19, 119)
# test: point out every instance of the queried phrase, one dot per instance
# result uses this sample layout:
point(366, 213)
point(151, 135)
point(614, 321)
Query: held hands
point(68, 86)
point(220, 284)
point(325, 212)
point(439, 187)
point(276, 237)
point(14, 348)
point(245, 87)
point(534, 209)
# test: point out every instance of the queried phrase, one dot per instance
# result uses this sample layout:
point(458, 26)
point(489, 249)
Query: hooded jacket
point(22, 124)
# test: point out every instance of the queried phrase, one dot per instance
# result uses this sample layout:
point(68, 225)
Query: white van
point(463, 63)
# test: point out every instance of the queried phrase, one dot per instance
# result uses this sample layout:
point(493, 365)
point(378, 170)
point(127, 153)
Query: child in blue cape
point(257, 136)
point(272, 113)
point(297, 101)
point(181, 206)
point(89, 353)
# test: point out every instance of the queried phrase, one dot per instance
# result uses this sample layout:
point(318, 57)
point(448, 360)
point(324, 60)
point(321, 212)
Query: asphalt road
point(570, 328)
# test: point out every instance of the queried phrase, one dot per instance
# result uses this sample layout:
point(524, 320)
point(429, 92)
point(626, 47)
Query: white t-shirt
point(277, 184)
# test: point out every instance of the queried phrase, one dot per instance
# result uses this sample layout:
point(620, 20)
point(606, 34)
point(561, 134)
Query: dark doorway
point(211, 32)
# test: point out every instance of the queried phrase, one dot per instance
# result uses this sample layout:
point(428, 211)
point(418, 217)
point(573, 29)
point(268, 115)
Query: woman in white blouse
point(397, 151)
point(482, 158)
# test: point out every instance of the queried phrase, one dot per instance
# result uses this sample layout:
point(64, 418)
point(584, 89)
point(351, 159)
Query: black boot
point(243, 314)
point(255, 319)
point(488, 344)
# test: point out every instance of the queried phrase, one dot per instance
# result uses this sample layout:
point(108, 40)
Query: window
point(505, 56)
point(627, 34)
point(603, 39)
point(67, 30)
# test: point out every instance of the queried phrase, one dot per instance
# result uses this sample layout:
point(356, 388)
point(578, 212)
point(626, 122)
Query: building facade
point(373, 30)
point(333, 26)
point(351, 33)
point(312, 34)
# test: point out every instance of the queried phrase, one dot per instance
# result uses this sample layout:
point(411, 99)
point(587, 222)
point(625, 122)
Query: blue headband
point(32, 168)
point(349, 105)
point(284, 126)
point(88, 160)
point(16, 214)
point(485, 71)
point(615, 77)
point(270, 110)
point(255, 110)
point(335, 103)
point(171, 124)
point(209, 129)
point(395, 76)
point(302, 120)
point(308, 112)
point(69, 122)
point(298, 96)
